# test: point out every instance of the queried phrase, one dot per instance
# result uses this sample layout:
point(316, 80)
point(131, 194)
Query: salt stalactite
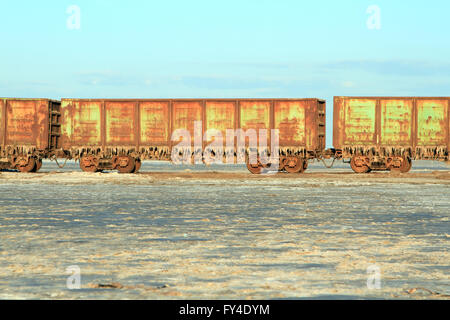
point(432, 153)
point(14, 150)
point(164, 152)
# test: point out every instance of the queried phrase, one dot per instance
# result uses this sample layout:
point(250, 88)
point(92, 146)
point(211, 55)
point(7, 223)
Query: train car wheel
point(358, 165)
point(26, 164)
point(404, 167)
point(126, 164)
point(407, 165)
point(293, 165)
point(138, 165)
point(38, 165)
point(255, 168)
point(89, 164)
point(305, 165)
point(282, 163)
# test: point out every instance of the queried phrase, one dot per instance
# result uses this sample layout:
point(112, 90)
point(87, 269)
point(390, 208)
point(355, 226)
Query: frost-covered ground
point(196, 232)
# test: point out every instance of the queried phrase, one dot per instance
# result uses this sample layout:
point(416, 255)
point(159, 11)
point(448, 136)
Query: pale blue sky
point(193, 49)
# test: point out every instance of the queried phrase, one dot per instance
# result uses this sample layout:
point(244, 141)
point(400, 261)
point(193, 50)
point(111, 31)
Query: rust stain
point(255, 114)
point(2, 125)
point(338, 122)
point(396, 122)
point(66, 123)
point(432, 122)
point(185, 113)
point(99, 131)
point(42, 124)
point(21, 126)
point(220, 116)
point(86, 123)
point(154, 123)
point(24, 133)
point(290, 119)
point(392, 128)
point(120, 123)
point(124, 125)
point(359, 123)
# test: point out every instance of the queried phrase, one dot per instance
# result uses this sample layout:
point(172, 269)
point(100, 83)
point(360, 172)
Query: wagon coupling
point(54, 158)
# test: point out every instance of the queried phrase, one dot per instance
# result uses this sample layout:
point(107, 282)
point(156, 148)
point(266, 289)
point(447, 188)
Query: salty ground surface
point(196, 232)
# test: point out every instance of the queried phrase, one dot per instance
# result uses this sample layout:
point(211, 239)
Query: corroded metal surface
point(405, 127)
point(359, 122)
point(184, 116)
point(290, 119)
point(27, 123)
point(220, 116)
point(154, 123)
point(29, 131)
point(432, 122)
point(143, 128)
point(81, 121)
point(254, 114)
point(2, 122)
point(396, 122)
point(120, 124)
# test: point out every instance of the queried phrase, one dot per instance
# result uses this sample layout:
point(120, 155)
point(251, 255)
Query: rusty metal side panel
point(20, 122)
point(66, 124)
point(396, 122)
point(360, 122)
point(254, 114)
point(432, 122)
point(220, 116)
point(338, 122)
point(27, 123)
point(290, 120)
point(42, 115)
point(312, 125)
point(120, 126)
point(2, 122)
point(154, 122)
point(86, 117)
point(184, 114)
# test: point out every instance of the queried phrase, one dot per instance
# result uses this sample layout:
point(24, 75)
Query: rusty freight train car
point(107, 134)
point(385, 133)
point(29, 132)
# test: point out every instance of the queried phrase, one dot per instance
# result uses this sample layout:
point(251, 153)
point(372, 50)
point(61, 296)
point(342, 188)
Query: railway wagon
point(29, 132)
point(385, 133)
point(108, 134)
